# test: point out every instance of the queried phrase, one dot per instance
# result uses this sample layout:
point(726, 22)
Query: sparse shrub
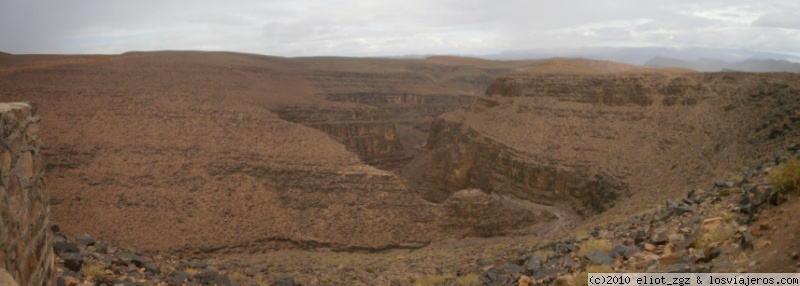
point(434, 280)
point(238, 277)
point(725, 192)
point(787, 177)
point(166, 269)
point(594, 245)
point(728, 217)
point(470, 279)
point(92, 270)
point(715, 235)
point(190, 271)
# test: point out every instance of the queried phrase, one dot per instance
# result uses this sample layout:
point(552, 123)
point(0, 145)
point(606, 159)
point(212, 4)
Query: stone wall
point(26, 250)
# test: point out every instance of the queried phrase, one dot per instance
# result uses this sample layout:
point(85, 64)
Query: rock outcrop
point(589, 139)
point(26, 250)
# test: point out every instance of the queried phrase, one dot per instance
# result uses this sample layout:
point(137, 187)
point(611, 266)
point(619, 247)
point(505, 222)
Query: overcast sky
point(394, 27)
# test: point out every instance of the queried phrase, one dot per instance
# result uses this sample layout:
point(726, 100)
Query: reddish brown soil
point(174, 150)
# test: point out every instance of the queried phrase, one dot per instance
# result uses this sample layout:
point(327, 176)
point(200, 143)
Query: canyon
point(209, 153)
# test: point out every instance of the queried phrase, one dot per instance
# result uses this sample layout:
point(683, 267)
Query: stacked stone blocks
point(26, 250)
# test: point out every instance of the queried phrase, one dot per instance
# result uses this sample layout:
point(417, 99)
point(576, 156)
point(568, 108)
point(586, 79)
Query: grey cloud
point(780, 19)
point(375, 28)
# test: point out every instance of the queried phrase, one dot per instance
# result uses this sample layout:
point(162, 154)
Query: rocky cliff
point(591, 139)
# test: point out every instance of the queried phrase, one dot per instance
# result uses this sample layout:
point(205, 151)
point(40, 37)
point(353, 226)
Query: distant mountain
point(641, 55)
point(709, 65)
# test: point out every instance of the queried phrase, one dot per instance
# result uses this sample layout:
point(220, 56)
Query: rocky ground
point(736, 224)
point(249, 169)
point(161, 144)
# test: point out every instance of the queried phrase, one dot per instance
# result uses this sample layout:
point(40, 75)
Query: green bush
point(787, 177)
point(725, 192)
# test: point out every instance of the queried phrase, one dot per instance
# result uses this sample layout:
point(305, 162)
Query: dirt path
point(565, 220)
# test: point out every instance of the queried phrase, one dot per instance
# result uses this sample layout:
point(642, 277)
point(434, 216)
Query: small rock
point(672, 258)
point(205, 276)
point(566, 248)
point(177, 277)
point(107, 278)
point(222, 280)
point(600, 258)
point(712, 223)
point(711, 252)
point(682, 209)
point(58, 237)
point(85, 240)
point(660, 236)
point(64, 247)
point(549, 270)
point(695, 258)
point(284, 281)
point(512, 268)
point(152, 268)
point(669, 248)
point(795, 255)
point(67, 281)
point(140, 262)
point(725, 183)
point(761, 243)
point(534, 264)
point(524, 281)
point(624, 251)
point(565, 280)
point(649, 247)
point(571, 264)
point(73, 261)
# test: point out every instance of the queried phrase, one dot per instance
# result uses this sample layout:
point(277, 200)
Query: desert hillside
point(603, 136)
point(379, 171)
point(175, 150)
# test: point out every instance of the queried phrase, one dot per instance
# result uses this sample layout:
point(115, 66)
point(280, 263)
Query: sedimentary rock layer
point(588, 139)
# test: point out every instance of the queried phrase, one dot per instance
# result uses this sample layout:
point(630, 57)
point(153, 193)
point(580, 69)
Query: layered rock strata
point(589, 140)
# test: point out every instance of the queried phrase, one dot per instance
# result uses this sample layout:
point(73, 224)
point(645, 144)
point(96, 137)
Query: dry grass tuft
point(92, 270)
point(715, 235)
point(787, 177)
point(594, 245)
point(470, 279)
point(444, 279)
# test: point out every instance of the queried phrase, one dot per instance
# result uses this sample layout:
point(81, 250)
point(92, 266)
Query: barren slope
point(193, 150)
point(593, 140)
